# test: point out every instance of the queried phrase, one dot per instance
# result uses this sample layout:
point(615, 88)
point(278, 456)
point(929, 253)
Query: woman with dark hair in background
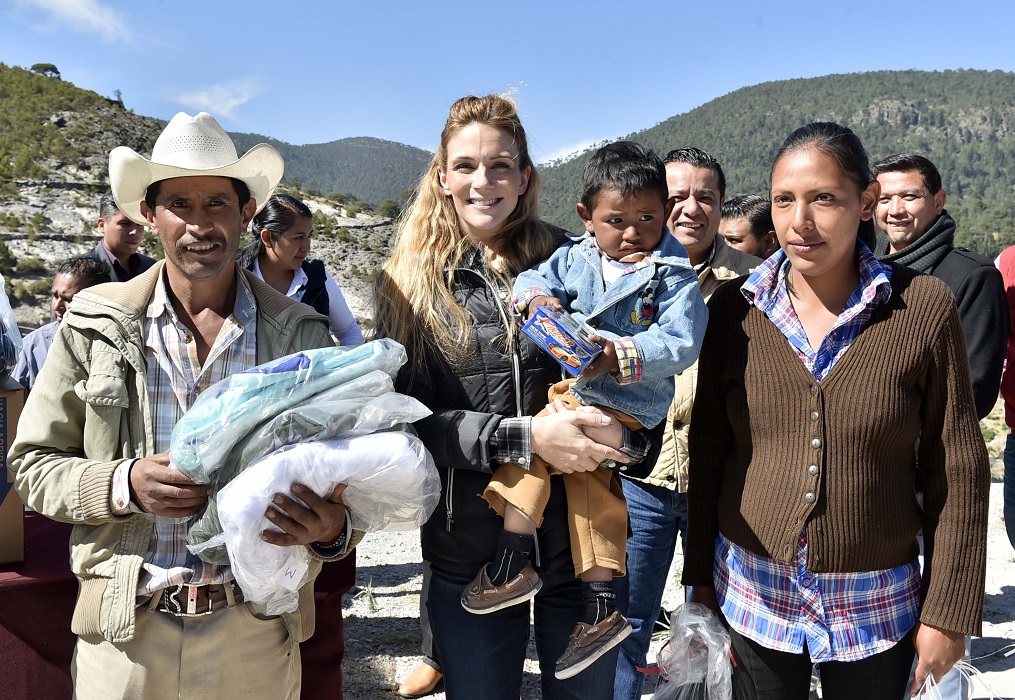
point(279, 256)
point(824, 380)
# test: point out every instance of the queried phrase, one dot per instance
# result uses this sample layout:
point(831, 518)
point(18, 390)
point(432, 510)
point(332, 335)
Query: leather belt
point(186, 600)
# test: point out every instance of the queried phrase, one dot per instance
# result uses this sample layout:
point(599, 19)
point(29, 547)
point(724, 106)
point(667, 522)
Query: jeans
point(430, 656)
point(482, 656)
point(1009, 488)
point(657, 515)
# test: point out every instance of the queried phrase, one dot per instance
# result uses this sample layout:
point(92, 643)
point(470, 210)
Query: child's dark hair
point(840, 143)
point(625, 166)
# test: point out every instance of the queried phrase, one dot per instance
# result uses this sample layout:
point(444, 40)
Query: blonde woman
point(471, 228)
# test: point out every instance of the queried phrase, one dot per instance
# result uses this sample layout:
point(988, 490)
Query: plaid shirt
point(766, 290)
point(175, 379)
point(836, 617)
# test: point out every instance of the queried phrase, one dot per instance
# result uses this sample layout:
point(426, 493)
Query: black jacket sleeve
point(983, 310)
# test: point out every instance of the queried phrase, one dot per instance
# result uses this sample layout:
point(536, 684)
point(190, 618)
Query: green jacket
point(89, 412)
point(670, 470)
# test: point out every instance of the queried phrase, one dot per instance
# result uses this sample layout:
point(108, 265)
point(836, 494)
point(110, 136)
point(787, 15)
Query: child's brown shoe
point(482, 597)
point(589, 642)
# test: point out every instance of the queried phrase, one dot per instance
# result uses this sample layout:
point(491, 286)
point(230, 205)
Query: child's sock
point(600, 600)
point(512, 555)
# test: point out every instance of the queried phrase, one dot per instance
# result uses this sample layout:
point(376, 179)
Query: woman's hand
point(937, 650)
point(321, 520)
point(611, 435)
point(559, 439)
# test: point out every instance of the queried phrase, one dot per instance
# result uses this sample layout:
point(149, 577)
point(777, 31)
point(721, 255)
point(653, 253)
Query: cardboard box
point(12, 512)
point(566, 340)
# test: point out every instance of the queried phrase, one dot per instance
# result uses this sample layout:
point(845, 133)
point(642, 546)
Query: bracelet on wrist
point(334, 544)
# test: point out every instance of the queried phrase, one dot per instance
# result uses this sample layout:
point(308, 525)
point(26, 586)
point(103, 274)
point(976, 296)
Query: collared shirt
point(175, 380)
point(121, 273)
point(766, 289)
point(34, 349)
point(836, 617)
point(341, 320)
point(707, 262)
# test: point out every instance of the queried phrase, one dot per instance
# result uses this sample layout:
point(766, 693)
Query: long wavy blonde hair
point(413, 300)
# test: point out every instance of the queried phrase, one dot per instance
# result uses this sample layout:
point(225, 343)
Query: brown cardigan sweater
point(774, 451)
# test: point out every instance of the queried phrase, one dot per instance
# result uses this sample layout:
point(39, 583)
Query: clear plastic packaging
point(695, 662)
point(392, 484)
point(228, 411)
point(10, 336)
point(365, 405)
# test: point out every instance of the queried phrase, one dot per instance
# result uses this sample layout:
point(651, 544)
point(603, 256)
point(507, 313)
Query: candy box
point(565, 339)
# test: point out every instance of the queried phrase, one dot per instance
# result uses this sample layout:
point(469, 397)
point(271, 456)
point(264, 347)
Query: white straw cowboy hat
point(188, 147)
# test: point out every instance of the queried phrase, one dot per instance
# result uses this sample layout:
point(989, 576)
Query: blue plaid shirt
point(836, 617)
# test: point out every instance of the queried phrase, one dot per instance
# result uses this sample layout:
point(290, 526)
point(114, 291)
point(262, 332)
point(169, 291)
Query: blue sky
point(316, 71)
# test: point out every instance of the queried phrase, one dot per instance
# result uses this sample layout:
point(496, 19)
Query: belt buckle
point(192, 594)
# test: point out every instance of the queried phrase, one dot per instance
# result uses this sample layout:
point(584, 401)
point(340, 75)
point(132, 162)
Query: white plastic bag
point(10, 336)
point(392, 485)
point(695, 662)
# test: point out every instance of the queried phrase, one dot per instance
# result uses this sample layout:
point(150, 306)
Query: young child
point(632, 282)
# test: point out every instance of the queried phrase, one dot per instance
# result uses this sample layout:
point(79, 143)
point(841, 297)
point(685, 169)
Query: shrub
point(32, 265)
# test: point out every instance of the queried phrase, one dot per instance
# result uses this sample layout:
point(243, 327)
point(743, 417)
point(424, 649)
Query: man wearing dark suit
point(120, 240)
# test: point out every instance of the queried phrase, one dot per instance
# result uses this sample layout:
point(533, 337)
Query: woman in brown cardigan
point(824, 380)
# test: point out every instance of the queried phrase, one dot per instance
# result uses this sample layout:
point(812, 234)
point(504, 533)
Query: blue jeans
point(1009, 488)
point(657, 515)
point(482, 656)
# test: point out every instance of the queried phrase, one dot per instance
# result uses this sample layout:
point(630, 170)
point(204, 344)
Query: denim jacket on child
point(654, 313)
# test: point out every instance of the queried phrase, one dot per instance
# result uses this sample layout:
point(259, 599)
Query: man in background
point(657, 505)
point(120, 240)
point(915, 230)
point(746, 224)
point(72, 276)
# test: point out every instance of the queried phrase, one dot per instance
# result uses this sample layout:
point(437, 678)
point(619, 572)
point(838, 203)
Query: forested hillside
point(963, 120)
point(371, 169)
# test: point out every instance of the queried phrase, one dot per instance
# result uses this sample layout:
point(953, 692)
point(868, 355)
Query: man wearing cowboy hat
point(129, 359)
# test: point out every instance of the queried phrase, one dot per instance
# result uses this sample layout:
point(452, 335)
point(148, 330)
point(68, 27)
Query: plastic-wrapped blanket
point(365, 405)
point(695, 662)
point(392, 485)
point(227, 412)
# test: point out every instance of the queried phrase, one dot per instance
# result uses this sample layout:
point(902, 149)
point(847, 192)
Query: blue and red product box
point(564, 338)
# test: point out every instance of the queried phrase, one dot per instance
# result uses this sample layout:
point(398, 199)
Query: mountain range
point(55, 139)
point(963, 120)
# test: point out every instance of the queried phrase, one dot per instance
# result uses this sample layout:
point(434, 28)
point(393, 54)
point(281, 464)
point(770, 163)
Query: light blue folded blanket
point(226, 413)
